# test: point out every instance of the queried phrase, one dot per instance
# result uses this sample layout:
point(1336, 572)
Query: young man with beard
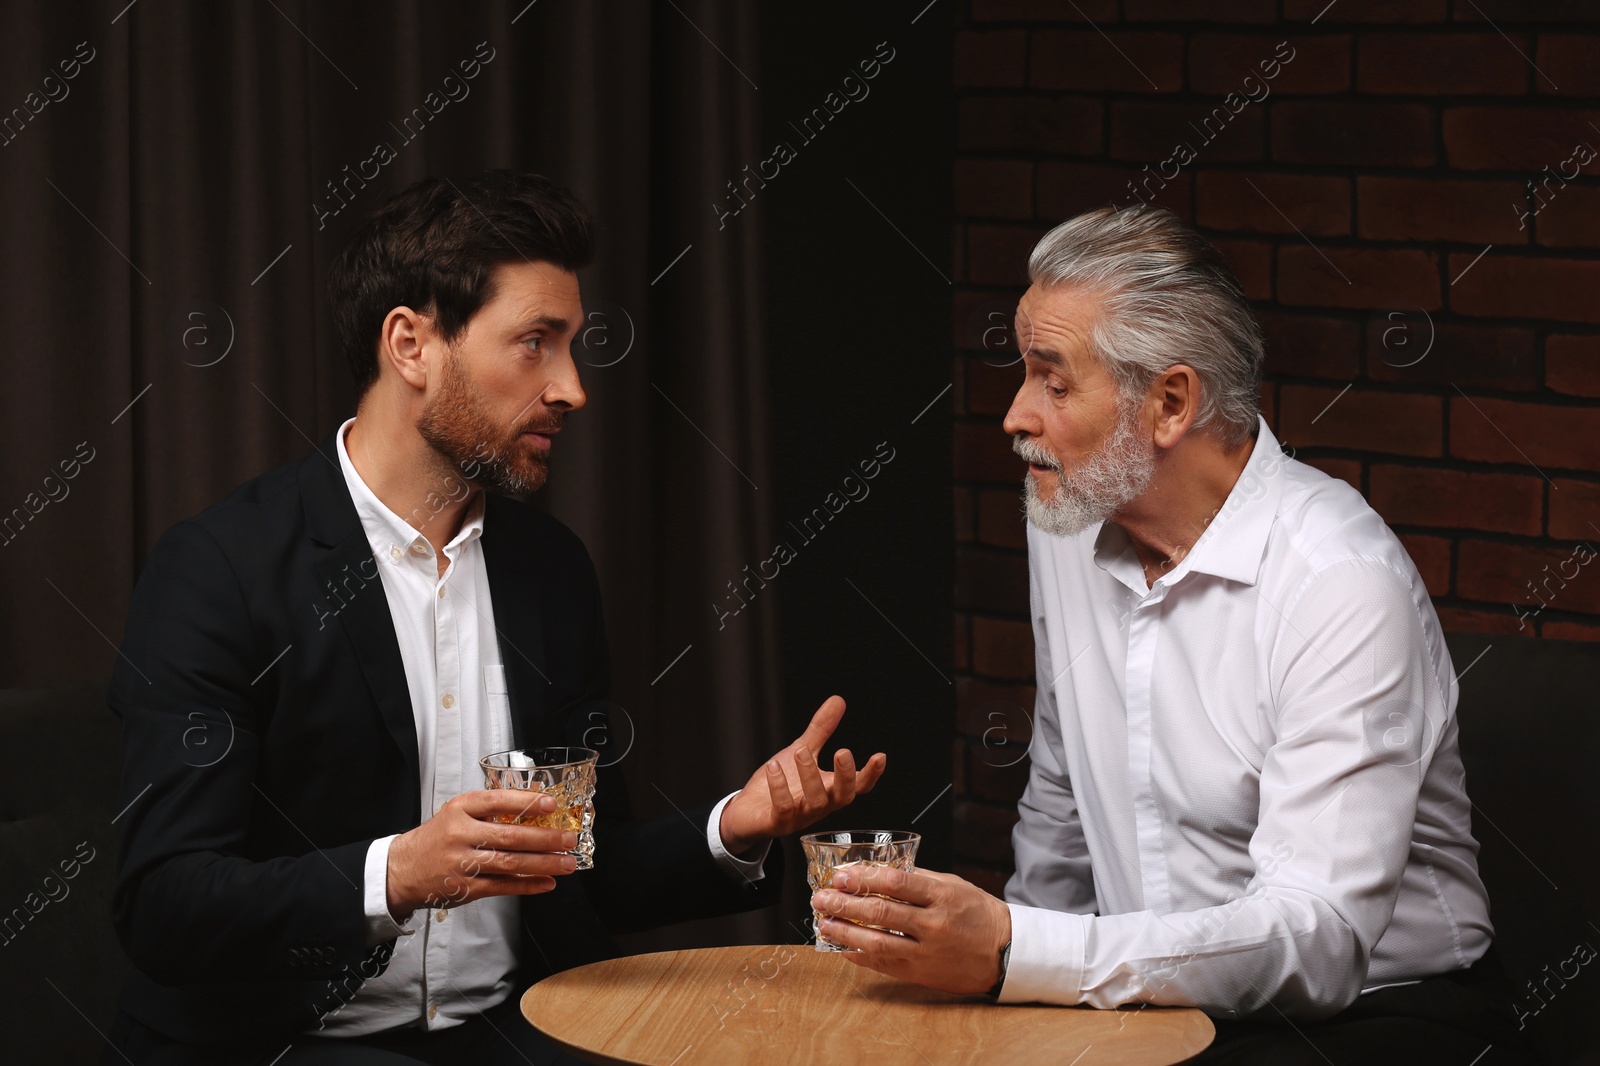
point(1246, 793)
point(352, 632)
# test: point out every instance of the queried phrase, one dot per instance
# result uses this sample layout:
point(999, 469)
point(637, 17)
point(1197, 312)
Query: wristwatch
point(1005, 960)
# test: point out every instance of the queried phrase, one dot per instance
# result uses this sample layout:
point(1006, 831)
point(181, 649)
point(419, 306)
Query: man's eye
point(1055, 390)
point(535, 344)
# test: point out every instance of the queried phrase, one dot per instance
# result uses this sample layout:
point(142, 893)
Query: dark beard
point(458, 427)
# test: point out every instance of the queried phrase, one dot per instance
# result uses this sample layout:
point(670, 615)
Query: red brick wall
point(1371, 194)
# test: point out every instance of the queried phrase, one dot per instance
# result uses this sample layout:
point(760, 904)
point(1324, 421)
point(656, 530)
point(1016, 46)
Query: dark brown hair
point(434, 246)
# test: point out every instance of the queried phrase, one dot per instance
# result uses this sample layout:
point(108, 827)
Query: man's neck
point(409, 476)
point(1191, 483)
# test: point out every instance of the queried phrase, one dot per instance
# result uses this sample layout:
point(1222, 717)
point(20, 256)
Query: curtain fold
point(168, 224)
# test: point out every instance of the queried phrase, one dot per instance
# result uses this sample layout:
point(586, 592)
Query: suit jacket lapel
point(514, 599)
point(355, 591)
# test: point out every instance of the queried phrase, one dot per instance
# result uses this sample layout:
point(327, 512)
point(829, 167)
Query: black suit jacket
point(268, 739)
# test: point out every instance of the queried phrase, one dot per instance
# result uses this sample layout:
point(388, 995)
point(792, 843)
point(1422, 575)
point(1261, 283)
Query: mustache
point(543, 425)
point(1034, 452)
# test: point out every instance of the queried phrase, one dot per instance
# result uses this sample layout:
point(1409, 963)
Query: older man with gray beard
point(1246, 793)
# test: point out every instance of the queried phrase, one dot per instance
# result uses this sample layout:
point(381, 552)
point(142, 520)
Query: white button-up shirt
point(448, 964)
point(1246, 791)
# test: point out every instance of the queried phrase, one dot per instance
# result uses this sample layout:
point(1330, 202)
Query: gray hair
point(1168, 297)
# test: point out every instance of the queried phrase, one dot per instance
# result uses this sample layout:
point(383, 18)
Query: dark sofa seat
point(1530, 739)
point(60, 963)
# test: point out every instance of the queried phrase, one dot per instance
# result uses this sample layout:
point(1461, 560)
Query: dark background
point(1425, 341)
point(168, 226)
point(1425, 270)
point(738, 370)
point(856, 317)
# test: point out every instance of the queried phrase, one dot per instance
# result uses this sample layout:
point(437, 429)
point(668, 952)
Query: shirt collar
point(388, 533)
point(1233, 543)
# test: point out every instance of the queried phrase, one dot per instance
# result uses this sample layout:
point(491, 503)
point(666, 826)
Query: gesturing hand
point(953, 929)
point(462, 853)
point(790, 792)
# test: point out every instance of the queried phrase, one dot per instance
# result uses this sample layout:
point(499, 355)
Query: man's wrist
point(400, 907)
point(378, 902)
point(734, 844)
point(745, 850)
point(745, 867)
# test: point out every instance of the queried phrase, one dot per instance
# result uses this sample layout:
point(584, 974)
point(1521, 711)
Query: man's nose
point(1020, 417)
point(566, 388)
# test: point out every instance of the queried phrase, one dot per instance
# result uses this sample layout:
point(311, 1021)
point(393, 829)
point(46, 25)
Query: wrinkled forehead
point(1055, 321)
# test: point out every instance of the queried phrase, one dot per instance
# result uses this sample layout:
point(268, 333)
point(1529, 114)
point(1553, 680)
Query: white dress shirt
point(1246, 791)
point(448, 964)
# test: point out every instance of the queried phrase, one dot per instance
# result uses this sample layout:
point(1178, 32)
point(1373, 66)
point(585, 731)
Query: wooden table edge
point(571, 1049)
point(600, 1058)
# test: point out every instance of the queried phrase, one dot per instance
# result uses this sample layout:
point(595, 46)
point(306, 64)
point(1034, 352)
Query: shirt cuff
point(747, 870)
point(1046, 964)
point(375, 895)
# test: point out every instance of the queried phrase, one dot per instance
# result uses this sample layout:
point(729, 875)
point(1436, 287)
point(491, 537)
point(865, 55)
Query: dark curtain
point(169, 212)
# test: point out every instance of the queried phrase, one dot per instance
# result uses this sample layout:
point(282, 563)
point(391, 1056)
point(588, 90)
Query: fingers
point(473, 847)
point(491, 803)
point(823, 723)
point(495, 850)
point(949, 943)
point(877, 948)
point(459, 890)
point(869, 910)
point(521, 864)
point(912, 886)
point(870, 773)
point(778, 792)
point(513, 886)
point(518, 838)
point(811, 786)
point(843, 788)
point(533, 886)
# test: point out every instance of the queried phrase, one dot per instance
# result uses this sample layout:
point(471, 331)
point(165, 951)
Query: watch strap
point(1005, 960)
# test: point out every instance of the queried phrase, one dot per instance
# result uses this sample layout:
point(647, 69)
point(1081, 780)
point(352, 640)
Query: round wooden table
point(793, 1004)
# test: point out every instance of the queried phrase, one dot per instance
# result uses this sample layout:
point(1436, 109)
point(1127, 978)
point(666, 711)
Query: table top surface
point(791, 1003)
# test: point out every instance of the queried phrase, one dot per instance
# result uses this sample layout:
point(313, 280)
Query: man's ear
point(1176, 393)
point(403, 345)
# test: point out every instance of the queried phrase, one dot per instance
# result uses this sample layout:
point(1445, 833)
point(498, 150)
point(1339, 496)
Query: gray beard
point(1110, 478)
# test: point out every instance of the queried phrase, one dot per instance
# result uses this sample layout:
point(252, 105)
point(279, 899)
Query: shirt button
point(433, 1011)
point(449, 701)
point(394, 553)
point(420, 548)
point(439, 914)
point(441, 592)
